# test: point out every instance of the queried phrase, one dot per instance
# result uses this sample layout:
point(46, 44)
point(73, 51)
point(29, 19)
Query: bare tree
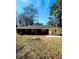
point(28, 16)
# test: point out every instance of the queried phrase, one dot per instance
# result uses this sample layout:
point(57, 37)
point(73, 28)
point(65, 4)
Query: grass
point(54, 47)
point(45, 48)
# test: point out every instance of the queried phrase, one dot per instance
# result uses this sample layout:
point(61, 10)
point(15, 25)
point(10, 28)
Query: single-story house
point(39, 30)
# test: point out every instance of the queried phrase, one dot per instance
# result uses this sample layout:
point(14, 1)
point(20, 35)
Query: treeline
point(30, 14)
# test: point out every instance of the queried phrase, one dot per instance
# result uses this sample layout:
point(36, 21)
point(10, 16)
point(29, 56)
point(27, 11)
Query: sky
point(43, 7)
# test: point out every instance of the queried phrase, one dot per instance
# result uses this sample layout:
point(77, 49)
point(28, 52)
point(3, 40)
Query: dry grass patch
point(45, 48)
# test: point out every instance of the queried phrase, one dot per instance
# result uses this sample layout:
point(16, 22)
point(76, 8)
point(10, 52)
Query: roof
point(35, 27)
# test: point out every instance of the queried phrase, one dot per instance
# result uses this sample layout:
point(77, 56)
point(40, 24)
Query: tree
point(28, 16)
point(38, 23)
point(56, 13)
point(22, 19)
point(17, 21)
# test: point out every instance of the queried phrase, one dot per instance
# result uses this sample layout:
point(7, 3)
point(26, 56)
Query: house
point(39, 30)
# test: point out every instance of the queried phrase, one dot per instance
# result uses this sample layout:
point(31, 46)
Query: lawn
point(43, 48)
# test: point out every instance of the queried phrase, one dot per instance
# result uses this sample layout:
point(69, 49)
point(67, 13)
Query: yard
point(41, 48)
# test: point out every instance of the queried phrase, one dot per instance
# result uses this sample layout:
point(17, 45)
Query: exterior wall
point(50, 31)
point(55, 31)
